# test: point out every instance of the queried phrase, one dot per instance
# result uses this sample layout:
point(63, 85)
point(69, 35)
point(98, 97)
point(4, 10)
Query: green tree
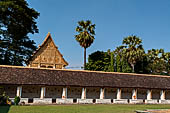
point(118, 64)
point(141, 66)
point(157, 64)
point(111, 67)
point(133, 50)
point(119, 57)
point(166, 57)
point(17, 20)
point(125, 66)
point(98, 61)
point(85, 36)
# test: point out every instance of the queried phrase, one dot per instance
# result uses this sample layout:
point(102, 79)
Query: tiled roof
point(37, 76)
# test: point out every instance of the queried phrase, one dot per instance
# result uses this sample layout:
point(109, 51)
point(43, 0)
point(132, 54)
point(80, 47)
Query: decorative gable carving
point(47, 56)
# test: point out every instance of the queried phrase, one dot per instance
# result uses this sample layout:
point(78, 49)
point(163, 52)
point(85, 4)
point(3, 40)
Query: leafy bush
point(16, 100)
point(4, 99)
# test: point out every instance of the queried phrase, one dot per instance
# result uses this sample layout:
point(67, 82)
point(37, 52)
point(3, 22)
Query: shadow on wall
point(4, 109)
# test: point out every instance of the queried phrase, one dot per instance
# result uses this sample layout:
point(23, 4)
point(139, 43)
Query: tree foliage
point(131, 53)
point(85, 35)
point(133, 50)
point(98, 61)
point(156, 61)
point(111, 67)
point(166, 57)
point(17, 20)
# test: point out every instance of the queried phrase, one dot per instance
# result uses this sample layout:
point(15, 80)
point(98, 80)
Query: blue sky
point(114, 19)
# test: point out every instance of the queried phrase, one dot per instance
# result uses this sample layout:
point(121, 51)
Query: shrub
point(4, 99)
point(16, 100)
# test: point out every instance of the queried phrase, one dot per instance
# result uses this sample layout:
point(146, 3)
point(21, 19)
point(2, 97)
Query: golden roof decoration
point(47, 55)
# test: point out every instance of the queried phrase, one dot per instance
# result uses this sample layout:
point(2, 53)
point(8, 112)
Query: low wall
point(103, 101)
point(42, 101)
point(152, 101)
point(64, 101)
point(120, 101)
point(85, 101)
point(91, 101)
point(164, 101)
point(24, 100)
point(136, 101)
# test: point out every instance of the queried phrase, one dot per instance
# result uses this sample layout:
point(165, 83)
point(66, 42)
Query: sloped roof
point(56, 77)
point(44, 42)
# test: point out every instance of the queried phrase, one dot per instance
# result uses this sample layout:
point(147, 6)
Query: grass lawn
point(100, 108)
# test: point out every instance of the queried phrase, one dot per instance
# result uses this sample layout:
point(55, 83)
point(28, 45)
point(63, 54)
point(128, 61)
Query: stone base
point(85, 101)
point(153, 101)
point(120, 101)
point(12, 99)
point(103, 101)
point(136, 101)
point(90, 101)
point(64, 101)
point(24, 100)
point(164, 101)
point(42, 101)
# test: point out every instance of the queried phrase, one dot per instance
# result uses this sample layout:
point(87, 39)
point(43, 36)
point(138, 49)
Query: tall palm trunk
point(84, 58)
point(133, 68)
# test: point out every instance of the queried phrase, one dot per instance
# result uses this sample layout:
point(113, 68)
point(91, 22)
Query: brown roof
point(37, 76)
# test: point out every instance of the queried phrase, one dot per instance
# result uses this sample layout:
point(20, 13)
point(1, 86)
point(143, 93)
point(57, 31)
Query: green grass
point(80, 108)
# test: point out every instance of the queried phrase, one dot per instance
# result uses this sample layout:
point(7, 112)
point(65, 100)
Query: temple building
point(47, 56)
point(45, 81)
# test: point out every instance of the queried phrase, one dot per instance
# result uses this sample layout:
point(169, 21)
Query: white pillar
point(83, 95)
point(54, 66)
point(42, 93)
point(19, 91)
point(39, 65)
point(63, 67)
point(102, 93)
point(149, 94)
point(134, 94)
point(162, 95)
point(64, 93)
point(118, 96)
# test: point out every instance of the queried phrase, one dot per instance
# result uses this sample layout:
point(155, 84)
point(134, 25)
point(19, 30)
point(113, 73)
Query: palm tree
point(157, 59)
point(85, 36)
point(133, 50)
point(167, 60)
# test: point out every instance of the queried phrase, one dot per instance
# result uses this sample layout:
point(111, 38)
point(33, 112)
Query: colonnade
point(118, 99)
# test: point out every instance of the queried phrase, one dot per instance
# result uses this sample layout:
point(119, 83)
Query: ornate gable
point(47, 55)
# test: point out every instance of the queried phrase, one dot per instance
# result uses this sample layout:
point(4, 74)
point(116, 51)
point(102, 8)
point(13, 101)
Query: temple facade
point(47, 56)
